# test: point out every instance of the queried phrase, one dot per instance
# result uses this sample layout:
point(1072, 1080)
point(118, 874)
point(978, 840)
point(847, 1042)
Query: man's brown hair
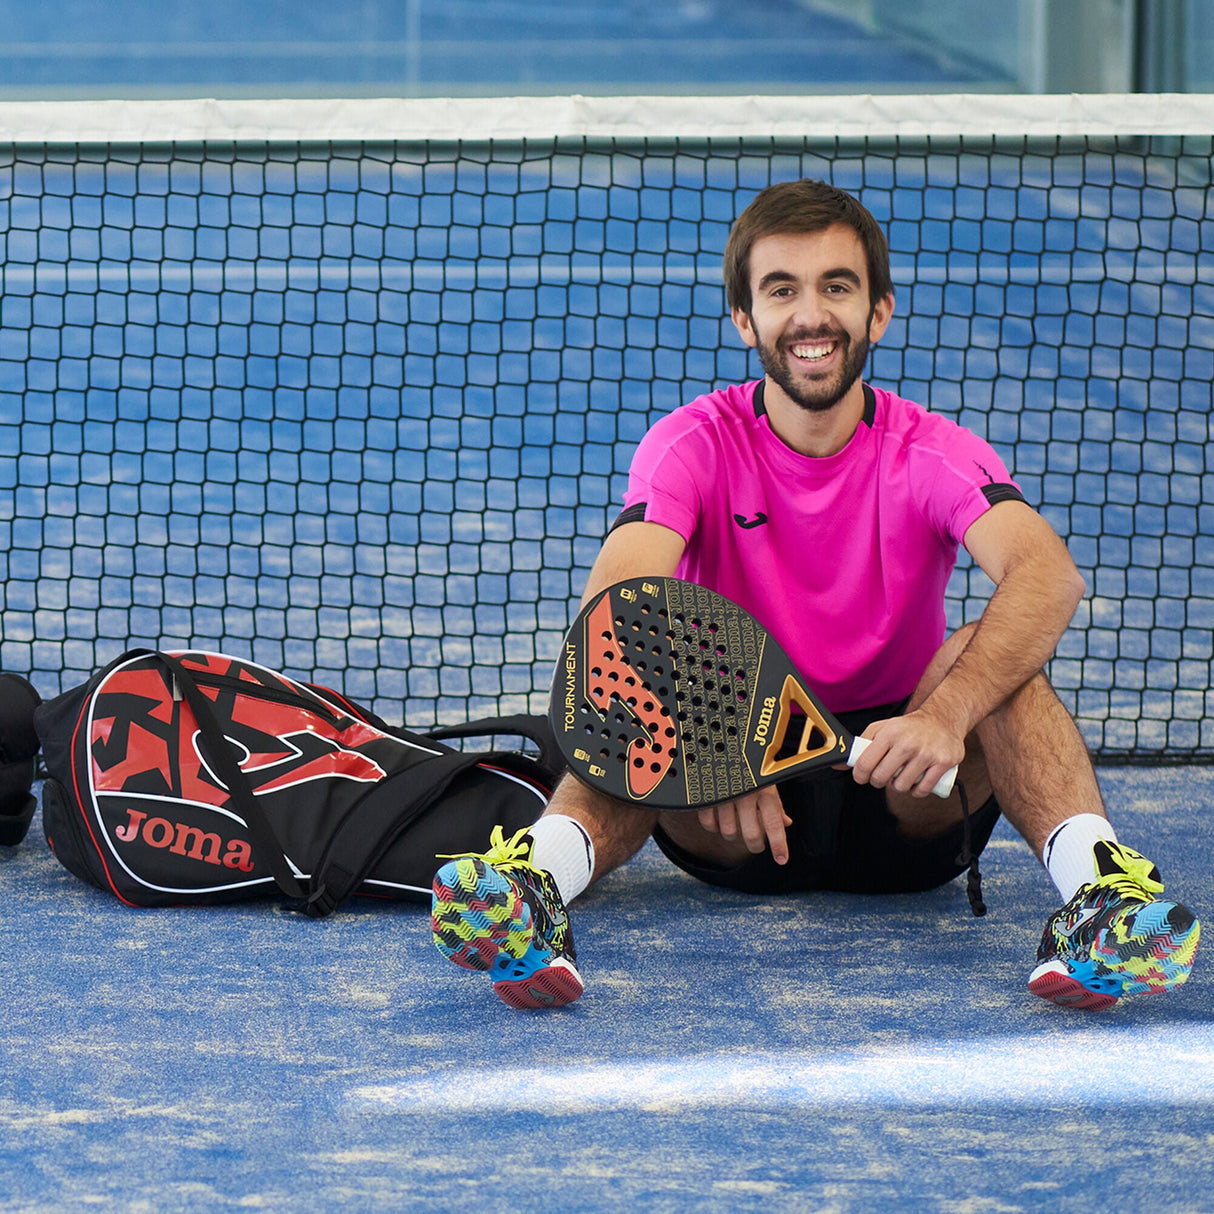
point(793, 208)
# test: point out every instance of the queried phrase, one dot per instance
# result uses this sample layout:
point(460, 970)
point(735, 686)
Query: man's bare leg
point(616, 829)
point(1114, 934)
point(1028, 752)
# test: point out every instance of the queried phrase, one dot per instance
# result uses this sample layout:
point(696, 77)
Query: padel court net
point(361, 409)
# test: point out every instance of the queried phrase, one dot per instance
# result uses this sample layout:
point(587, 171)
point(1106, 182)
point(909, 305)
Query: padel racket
point(668, 694)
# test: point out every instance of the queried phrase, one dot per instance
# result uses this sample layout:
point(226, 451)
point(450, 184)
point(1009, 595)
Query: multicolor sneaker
point(1115, 936)
point(499, 912)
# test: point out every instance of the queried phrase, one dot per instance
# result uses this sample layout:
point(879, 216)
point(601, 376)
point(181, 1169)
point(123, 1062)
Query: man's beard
point(821, 395)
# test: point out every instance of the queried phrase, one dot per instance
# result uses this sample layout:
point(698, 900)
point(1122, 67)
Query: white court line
point(1168, 1066)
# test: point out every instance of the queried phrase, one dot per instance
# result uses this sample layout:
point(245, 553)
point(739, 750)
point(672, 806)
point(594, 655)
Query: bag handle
point(523, 725)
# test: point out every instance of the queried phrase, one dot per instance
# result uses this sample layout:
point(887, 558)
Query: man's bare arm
point(1037, 589)
point(651, 550)
point(631, 551)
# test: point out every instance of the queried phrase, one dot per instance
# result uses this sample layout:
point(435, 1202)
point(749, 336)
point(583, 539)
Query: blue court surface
point(477, 47)
point(818, 1053)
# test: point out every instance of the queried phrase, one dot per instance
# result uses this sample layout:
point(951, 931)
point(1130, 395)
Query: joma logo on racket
point(769, 708)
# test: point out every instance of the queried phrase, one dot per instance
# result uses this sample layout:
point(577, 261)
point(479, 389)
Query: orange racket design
point(670, 695)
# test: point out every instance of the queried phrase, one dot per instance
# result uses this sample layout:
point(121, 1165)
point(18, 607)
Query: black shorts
point(844, 838)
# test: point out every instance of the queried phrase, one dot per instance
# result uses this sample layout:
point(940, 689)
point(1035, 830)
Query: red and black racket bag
point(194, 778)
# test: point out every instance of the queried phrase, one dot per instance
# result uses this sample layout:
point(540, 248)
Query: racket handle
point(944, 785)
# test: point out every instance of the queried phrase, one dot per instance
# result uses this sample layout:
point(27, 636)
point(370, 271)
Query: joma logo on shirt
point(748, 523)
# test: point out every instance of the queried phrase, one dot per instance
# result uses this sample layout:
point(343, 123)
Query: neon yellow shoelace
point(501, 850)
point(1135, 880)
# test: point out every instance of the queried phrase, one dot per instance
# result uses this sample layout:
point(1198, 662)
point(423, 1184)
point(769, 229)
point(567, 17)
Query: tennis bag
point(199, 778)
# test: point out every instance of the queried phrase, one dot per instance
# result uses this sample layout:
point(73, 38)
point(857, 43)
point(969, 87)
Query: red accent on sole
point(1064, 990)
point(551, 987)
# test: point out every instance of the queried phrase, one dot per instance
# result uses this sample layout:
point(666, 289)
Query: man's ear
point(880, 318)
point(745, 326)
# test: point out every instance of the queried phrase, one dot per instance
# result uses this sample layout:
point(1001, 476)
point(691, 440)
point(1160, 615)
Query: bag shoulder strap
point(368, 828)
point(376, 822)
point(223, 762)
point(394, 805)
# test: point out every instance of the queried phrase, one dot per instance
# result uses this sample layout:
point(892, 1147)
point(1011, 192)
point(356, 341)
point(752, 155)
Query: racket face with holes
point(669, 695)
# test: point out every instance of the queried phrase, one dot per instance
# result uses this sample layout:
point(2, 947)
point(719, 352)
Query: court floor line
point(1171, 1065)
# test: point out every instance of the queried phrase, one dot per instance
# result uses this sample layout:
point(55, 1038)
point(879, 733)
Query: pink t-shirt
point(844, 560)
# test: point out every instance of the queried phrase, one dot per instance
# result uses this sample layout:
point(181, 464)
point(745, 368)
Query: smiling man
point(833, 510)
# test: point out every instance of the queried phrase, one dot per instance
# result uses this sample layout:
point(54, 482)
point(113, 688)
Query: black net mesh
point(364, 412)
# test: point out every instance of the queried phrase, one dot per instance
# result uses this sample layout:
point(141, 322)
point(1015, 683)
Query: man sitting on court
point(831, 510)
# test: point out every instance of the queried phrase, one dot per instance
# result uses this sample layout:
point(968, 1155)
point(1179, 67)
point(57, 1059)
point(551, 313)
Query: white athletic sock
point(562, 846)
point(1068, 852)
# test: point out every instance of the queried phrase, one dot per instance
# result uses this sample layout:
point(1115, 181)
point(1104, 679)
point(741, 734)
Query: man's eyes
point(831, 288)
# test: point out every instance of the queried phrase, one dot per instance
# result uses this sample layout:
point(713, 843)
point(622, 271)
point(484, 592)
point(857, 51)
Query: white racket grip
point(944, 785)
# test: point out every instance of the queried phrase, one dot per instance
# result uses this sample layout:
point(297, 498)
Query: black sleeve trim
point(1002, 493)
point(630, 514)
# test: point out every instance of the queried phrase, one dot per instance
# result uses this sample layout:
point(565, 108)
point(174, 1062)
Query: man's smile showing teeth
point(814, 352)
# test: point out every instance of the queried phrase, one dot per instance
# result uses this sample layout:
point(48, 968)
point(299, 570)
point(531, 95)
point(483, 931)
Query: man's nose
point(812, 311)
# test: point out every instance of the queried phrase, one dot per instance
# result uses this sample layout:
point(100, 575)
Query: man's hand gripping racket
point(670, 695)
